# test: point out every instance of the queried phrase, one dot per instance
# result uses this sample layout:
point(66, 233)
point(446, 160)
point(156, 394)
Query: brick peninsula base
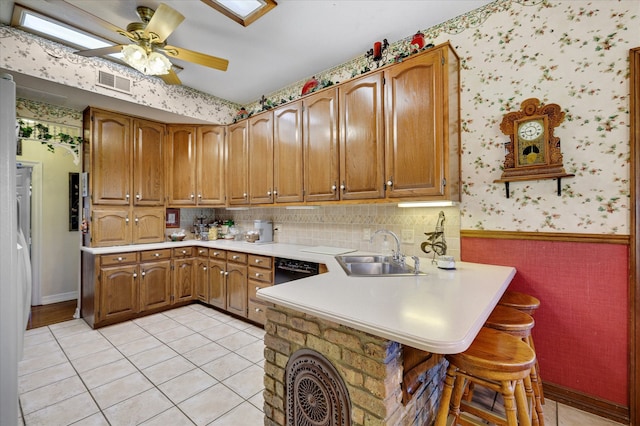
point(370, 371)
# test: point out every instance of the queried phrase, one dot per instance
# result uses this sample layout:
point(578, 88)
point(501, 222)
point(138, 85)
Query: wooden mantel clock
point(533, 151)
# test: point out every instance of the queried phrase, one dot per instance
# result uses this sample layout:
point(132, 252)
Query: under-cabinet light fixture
point(236, 208)
point(302, 207)
point(428, 204)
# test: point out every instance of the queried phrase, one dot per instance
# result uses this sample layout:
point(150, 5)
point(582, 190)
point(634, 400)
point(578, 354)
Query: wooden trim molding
point(547, 236)
point(586, 403)
point(634, 255)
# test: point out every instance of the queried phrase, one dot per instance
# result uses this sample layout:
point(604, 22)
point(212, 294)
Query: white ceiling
point(294, 41)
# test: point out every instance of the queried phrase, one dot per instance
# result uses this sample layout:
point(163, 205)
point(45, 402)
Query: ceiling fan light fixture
point(152, 64)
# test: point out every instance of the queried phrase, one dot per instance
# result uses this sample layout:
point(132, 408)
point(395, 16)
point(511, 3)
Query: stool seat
point(511, 321)
point(520, 301)
point(496, 360)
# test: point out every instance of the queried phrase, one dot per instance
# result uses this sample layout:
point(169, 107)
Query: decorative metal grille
point(316, 394)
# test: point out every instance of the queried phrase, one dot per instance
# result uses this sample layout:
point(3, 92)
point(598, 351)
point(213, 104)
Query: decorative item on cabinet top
point(533, 151)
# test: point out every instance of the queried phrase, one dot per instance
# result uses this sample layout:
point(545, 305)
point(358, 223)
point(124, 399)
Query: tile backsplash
point(344, 225)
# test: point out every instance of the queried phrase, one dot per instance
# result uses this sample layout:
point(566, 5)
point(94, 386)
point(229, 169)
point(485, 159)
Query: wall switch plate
point(366, 234)
point(407, 236)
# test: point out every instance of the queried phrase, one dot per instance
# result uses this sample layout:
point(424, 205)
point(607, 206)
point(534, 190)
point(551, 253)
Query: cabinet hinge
point(384, 81)
point(442, 59)
point(444, 182)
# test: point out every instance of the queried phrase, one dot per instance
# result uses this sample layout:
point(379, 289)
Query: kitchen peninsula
point(362, 328)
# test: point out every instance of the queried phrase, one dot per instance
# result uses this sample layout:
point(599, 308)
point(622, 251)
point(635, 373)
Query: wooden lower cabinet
point(236, 277)
point(155, 285)
point(122, 286)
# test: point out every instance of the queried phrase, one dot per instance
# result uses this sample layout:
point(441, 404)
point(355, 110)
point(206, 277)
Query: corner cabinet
point(422, 118)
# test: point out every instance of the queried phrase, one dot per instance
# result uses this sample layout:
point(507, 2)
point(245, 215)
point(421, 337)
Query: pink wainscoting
point(581, 330)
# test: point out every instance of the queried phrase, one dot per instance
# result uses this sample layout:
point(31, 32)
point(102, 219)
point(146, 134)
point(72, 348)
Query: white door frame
point(36, 230)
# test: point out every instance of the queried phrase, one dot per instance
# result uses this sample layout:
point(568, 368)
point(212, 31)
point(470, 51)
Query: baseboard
point(60, 297)
point(586, 402)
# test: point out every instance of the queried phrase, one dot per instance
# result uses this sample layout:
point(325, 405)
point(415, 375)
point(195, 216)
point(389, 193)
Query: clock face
point(530, 130)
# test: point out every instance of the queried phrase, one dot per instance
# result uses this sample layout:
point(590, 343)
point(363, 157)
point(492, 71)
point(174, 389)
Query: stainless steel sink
point(374, 266)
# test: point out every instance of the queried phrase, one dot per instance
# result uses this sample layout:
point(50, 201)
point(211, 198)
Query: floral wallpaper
point(570, 52)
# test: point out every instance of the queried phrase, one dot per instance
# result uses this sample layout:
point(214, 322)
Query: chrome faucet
point(397, 254)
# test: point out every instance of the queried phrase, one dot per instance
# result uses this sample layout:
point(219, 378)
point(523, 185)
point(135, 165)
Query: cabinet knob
point(258, 310)
point(120, 259)
point(222, 272)
point(226, 273)
point(126, 220)
point(156, 254)
point(258, 260)
point(199, 196)
point(258, 274)
point(135, 275)
point(390, 182)
point(244, 195)
point(191, 196)
point(138, 197)
point(268, 193)
point(334, 187)
point(184, 252)
point(257, 288)
point(216, 253)
point(234, 257)
point(127, 197)
point(204, 268)
point(136, 220)
point(143, 273)
point(275, 192)
point(343, 187)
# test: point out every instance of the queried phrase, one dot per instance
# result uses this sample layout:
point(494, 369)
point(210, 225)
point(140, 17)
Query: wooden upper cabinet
point(321, 156)
point(422, 121)
point(210, 173)
point(288, 184)
point(148, 163)
point(110, 158)
point(181, 165)
point(237, 164)
point(362, 138)
point(148, 225)
point(110, 226)
point(261, 158)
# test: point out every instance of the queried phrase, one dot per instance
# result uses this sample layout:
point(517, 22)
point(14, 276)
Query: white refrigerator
point(13, 275)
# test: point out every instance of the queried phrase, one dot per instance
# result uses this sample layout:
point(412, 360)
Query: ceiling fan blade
point(171, 78)
point(164, 21)
point(101, 51)
point(196, 57)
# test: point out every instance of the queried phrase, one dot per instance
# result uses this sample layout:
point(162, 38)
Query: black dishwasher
point(290, 270)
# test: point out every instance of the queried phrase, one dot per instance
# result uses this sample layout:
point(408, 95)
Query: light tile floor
point(190, 365)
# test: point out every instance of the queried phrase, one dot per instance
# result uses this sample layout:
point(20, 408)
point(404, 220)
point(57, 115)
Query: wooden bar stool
point(495, 360)
point(518, 324)
point(527, 304)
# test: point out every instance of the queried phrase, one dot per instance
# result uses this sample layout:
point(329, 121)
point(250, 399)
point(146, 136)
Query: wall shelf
point(557, 176)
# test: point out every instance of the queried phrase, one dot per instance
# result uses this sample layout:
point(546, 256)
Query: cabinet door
point(118, 293)
point(321, 159)
point(288, 169)
point(182, 165)
point(238, 164)
point(237, 289)
point(415, 126)
point(261, 158)
point(148, 225)
point(202, 279)
point(183, 279)
point(155, 284)
point(110, 158)
point(362, 138)
point(217, 284)
point(110, 226)
point(148, 163)
point(210, 181)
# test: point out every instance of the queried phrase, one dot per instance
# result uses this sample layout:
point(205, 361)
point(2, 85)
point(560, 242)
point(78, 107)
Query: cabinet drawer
point(202, 252)
point(155, 255)
point(118, 258)
point(218, 254)
point(236, 257)
point(183, 251)
point(260, 261)
point(257, 312)
point(253, 287)
point(258, 274)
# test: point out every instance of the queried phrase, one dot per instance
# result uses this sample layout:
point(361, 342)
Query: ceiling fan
point(149, 50)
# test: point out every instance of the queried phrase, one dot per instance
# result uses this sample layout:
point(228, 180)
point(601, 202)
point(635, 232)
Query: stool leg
point(531, 402)
point(537, 403)
point(458, 391)
point(537, 371)
point(507, 391)
point(521, 403)
point(445, 400)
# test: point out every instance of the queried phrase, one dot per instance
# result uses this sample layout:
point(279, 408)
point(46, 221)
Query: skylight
point(42, 25)
point(243, 12)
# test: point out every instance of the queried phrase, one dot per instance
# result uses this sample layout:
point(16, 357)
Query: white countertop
point(440, 312)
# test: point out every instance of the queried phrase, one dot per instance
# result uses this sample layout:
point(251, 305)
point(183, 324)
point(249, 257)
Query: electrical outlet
point(366, 234)
point(407, 236)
